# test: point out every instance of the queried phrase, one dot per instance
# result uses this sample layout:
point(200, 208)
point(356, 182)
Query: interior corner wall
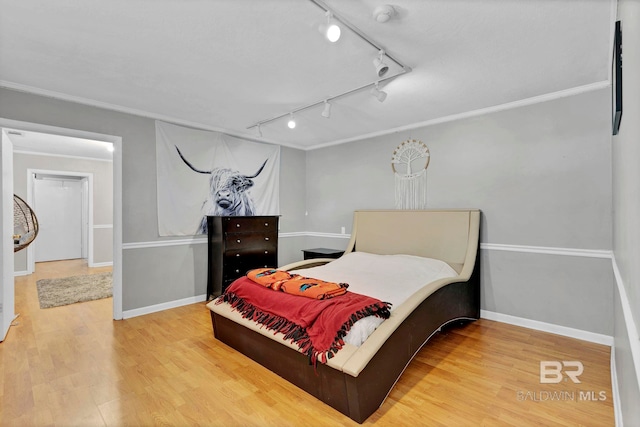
point(292, 206)
point(541, 174)
point(626, 219)
point(626, 155)
point(152, 274)
point(102, 197)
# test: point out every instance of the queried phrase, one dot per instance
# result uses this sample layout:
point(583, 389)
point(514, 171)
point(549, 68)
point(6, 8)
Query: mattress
point(389, 278)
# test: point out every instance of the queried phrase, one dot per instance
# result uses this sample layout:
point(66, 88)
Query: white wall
point(626, 219)
point(626, 161)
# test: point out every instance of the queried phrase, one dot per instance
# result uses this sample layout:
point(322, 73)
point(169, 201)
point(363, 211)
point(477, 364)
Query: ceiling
point(58, 145)
point(227, 64)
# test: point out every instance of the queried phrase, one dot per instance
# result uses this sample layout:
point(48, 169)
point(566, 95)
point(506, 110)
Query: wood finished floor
point(74, 366)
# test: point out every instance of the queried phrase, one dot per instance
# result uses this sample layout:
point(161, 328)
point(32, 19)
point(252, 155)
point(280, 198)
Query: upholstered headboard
point(447, 235)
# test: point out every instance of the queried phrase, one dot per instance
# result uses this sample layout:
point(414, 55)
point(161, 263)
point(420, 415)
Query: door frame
point(7, 298)
point(7, 285)
point(87, 198)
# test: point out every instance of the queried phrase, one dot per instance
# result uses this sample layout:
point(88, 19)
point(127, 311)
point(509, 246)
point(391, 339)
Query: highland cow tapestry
point(202, 173)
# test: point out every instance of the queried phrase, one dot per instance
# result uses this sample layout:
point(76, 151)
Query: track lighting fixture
point(379, 94)
point(327, 110)
point(381, 67)
point(330, 29)
point(292, 122)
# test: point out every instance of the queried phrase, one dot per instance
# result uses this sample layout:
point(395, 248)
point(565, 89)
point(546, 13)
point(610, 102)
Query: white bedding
point(390, 278)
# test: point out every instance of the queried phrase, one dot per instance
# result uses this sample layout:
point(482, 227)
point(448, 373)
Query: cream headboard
point(447, 235)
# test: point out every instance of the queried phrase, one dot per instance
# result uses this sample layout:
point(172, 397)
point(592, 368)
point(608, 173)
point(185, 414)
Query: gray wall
point(150, 275)
point(626, 208)
point(102, 196)
point(292, 190)
point(541, 174)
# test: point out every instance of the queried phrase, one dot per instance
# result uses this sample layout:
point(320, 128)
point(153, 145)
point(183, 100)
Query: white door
point(58, 205)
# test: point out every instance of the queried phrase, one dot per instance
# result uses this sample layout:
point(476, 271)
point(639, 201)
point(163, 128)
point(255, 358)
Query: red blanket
point(316, 326)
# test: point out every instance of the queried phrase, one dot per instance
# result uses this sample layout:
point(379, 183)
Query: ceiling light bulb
point(327, 110)
point(333, 33)
point(330, 29)
point(292, 122)
point(379, 94)
point(381, 67)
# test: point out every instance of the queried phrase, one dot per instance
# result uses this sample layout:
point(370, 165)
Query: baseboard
point(164, 306)
point(102, 264)
point(632, 331)
point(548, 327)
point(632, 335)
point(617, 409)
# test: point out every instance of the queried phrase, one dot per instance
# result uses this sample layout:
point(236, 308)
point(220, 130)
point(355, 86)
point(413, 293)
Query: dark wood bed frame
point(359, 397)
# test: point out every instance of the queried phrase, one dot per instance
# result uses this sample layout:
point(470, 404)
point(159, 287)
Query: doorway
point(6, 126)
point(62, 202)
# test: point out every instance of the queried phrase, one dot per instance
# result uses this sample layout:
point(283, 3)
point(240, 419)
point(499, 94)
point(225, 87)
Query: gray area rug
point(69, 290)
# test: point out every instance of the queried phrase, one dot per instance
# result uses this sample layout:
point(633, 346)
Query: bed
point(358, 378)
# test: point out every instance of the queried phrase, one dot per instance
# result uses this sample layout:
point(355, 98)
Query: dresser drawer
point(250, 241)
point(239, 253)
point(250, 224)
point(237, 266)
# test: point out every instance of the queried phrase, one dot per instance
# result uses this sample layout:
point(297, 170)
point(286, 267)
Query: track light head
point(326, 113)
point(381, 67)
point(330, 29)
point(292, 122)
point(379, 94)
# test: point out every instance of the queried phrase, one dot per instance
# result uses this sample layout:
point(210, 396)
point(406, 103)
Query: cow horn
point(191, 166)
point(259, 170)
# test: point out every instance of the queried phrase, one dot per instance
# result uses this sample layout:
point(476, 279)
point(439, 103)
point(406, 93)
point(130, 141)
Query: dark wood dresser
point(238, 244)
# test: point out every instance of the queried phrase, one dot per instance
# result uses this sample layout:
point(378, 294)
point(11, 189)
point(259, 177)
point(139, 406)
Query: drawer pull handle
point(237, 254)
point(237, 271)
point(266, 238)
point(238, 225)
point(238, 240)
point(266, 252)
point(266, 224)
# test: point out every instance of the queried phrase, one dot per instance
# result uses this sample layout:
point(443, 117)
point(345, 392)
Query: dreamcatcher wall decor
point(409, 163)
